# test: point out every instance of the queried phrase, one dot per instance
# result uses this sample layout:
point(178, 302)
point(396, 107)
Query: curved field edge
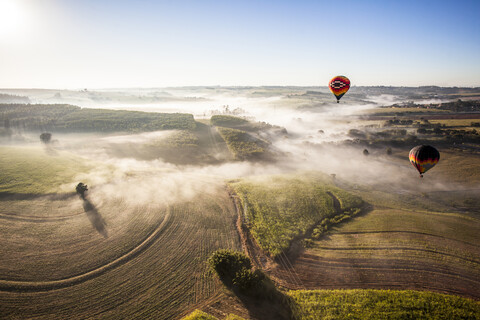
point(279, 209)
point(382, 304)
point(6, 285)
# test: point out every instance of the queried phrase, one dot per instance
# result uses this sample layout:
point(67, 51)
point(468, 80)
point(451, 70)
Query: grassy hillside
point(68, 118)
point(242, 145)
point(382, 304)
point(37, 170)
point(278, 209)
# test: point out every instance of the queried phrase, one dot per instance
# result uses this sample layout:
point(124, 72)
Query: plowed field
point(109, 258)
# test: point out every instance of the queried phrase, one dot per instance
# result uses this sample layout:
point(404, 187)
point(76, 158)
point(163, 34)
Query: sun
point(12, 18)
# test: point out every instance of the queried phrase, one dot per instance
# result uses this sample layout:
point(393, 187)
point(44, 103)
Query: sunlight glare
point(12, 18)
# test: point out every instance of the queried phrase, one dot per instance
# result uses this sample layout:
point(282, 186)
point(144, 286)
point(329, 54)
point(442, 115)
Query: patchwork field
point(136, 246)
point(396, 249)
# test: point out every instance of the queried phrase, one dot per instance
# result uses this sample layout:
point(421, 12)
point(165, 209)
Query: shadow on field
point(270, 304)
point(49, 150)
point(94, 217)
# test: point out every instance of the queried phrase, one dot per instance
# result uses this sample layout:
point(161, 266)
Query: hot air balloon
point(339, 86)
point(424, 158)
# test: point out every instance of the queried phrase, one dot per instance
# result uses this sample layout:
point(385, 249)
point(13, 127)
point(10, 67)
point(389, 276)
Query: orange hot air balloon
point(339, 86)
point(424, 158)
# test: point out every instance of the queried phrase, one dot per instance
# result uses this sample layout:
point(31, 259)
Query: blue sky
point(101, 44)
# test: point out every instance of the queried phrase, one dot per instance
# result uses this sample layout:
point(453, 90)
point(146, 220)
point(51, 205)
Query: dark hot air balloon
point(424, 158)
point(339, 86)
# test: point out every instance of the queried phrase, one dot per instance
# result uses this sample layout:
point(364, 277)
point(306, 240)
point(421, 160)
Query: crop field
point(110, 257)
point(277, 209)
point(151, 264)
point(382, 304)
point(36, 170)
point(401, 244)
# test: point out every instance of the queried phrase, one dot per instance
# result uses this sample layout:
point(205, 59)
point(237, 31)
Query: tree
point(81, 188)
point(228, 262)
point(46, 137)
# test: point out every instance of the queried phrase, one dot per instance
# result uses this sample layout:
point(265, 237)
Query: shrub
point(46, 137)
point(227, 263)
point(249, 282)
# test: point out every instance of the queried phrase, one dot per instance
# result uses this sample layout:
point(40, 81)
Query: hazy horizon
point(125, 44)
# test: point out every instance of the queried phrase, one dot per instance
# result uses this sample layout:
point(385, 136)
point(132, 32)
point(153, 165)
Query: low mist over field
point(315, 138)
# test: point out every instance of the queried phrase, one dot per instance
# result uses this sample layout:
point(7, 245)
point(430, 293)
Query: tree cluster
point(68, 118)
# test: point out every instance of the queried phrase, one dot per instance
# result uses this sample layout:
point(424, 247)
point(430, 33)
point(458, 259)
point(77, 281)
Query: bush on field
point(235, 270)
point(248, 281)
point(227, 263)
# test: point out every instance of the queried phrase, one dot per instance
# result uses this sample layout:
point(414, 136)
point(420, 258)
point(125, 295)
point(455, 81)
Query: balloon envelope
point(339, 85)
point(423, 158)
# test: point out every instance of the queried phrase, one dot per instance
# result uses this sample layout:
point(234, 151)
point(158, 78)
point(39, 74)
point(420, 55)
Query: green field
point(243, 145)
point(37, 170)
point(382, 304)
point(278, 209)
point(371, 304)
